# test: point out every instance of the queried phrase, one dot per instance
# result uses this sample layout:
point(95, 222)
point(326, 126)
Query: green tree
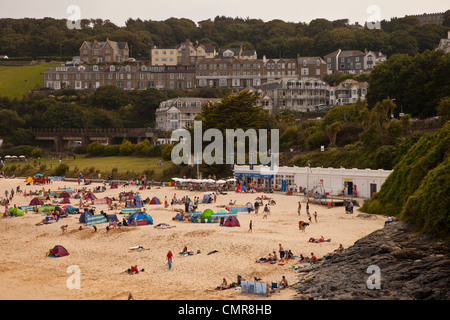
point(37, 153)
point(332, 131)
point(108, 97)
point(9, 122)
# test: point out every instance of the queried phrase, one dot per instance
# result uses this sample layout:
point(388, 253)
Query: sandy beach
point(27, 273)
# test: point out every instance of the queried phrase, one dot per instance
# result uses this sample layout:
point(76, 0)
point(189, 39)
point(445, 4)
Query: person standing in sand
point(315, 216)
point(250, 226)
point(281, 250)
point(169, 259)
point(299, 207)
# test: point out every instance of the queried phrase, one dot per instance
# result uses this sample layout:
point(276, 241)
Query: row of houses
point(197, 66)
point(309, 94)
point(232, 73)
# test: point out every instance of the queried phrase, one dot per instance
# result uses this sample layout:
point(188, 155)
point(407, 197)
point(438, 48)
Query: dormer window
point(112, 68)
point(95, 68)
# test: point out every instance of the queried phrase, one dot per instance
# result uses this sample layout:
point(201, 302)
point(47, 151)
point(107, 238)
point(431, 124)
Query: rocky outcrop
point(406, 265)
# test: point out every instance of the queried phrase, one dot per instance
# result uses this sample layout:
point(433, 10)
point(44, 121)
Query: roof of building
point(310, 60)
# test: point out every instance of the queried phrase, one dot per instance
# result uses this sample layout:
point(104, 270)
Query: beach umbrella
point(231, 180)
point(221, 181)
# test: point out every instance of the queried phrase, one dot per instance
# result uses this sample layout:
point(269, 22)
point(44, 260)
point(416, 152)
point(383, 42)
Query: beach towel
point(95, 219)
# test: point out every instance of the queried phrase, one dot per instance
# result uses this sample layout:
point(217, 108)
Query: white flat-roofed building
point(332, 181)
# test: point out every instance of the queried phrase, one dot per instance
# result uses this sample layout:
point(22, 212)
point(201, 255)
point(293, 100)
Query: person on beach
point(313, 259)
point(250, 226)
point(256, 205)
point(224, 284)
point(315, 216)
point(169, 259)
point(307, 208)
point(283, 283)
point(281, 250)
point(299, 209)
point(388, 220)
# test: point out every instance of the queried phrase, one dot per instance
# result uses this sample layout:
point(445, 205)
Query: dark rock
point(411, 265)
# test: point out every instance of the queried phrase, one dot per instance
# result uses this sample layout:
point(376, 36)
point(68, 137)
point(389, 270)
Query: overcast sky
point(196, 10)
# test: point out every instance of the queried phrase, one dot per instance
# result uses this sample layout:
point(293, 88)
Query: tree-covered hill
point(276, 38)
point(418, 189)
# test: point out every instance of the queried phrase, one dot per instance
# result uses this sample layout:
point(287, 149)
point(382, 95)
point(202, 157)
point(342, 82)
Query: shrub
point(111, 150)
point(154, 151)
point(167, 152)
point(95, 149)
point(126, 148)
point(61, 170)
point(141, 148)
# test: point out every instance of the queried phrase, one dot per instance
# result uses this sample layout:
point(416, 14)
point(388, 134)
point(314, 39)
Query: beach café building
point(362, 183)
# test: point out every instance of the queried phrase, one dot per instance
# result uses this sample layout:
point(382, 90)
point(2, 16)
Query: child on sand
point(169, 259)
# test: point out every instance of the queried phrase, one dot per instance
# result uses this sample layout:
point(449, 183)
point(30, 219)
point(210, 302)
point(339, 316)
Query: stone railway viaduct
point(64, 138)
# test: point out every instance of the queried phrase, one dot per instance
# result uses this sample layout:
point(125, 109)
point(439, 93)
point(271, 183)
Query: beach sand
point(26, 273)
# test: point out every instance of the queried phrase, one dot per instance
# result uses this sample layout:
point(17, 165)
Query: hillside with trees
point(276, 38)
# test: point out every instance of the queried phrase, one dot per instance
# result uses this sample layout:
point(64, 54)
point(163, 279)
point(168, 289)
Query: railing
point(90, 131)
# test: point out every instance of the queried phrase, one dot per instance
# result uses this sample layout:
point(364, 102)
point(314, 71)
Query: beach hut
point(36, 202)
point(140, 219)
point(58, 251)
point(232, 221)
point(155, 200)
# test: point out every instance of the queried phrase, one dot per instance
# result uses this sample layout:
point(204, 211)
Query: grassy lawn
point(123, 167)
point(17, 81)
